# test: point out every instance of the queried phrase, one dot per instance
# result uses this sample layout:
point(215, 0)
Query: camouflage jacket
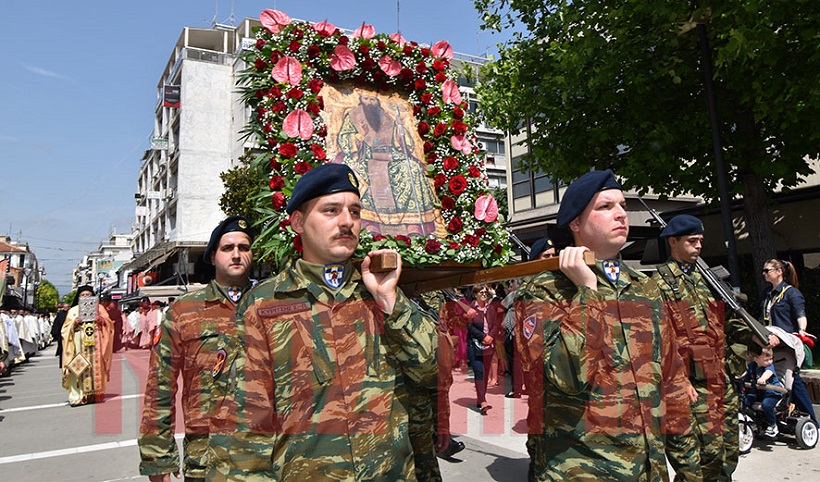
point(186, 343)
point(612, 383)
point(712, 345)
point(314, 383)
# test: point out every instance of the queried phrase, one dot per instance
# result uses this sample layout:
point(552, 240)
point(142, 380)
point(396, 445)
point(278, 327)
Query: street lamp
point(27, 272)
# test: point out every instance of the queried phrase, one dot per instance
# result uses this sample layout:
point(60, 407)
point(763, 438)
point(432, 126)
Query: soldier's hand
point(442, 442)
point(571, 262)
point(382, 285)
point(163, 477)
point(693, 394)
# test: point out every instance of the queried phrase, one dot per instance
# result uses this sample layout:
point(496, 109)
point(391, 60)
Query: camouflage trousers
point(705, 454)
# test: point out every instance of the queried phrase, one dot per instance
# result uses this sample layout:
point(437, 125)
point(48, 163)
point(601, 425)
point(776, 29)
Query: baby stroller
point(790, 419)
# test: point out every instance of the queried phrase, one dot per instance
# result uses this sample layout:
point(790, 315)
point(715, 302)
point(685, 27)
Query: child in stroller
point(790, 417)
point(761, 372)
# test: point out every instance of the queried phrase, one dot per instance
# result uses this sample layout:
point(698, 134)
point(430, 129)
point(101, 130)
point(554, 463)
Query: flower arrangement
point(287, 69)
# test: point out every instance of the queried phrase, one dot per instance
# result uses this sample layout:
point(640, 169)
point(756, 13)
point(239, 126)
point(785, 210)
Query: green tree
point(68, 298)
point(620, 84)
point(242, 187)
point(46, 296)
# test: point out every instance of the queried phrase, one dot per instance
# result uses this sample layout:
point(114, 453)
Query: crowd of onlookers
point(22, 333)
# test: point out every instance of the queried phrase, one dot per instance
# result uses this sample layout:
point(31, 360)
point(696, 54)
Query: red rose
point(432, 157)
point(275, 56)
point(441, 77)
point(302, 167)
point(260, 65)
point(272, 142)
point(434, 111)
point(318, 152)
point(343, 40)
point(274, 164)
point(448, 203)
point(294, 45)
point(284, 223)
point(297, 243)
point(432, 246)
point(425, 51)
point(439, 65)
point(459, 127)
point(259, 93)
point(381, 45)
point(277, 183)
point(458, 184)
point(295, 93)
point(279, 107)
point(406, 74)
point(420, 84)
point(321, 101)
point(364, 49)
point(278, 200)
point(260, 43)
point(267, 127)
point(288, 150)
point(481, 231)
point(322, 132)
point(450, 163)
point(423, 128)
point(470, 240)
point(404, 239)
point(426, 97)
point(455, 225)
point(416, 110)
point(275, 92)
point(379, 237)
point(378, 75)
point(368, 64)
point(313, 108)
point(407, 50)
point(497, 249)
point(428, 146)
point(440, 129)
point(474, 171)
point(421, 67)
point(298, 33)
point(315, 85)
point(313, 51)
point(262, 112)
point(458, 113)
point(440, 180)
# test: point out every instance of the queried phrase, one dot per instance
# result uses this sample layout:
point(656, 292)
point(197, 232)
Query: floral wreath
point(287, 68)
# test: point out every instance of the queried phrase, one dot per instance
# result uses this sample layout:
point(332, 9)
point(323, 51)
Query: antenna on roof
point(215, 22)
point(398, 26)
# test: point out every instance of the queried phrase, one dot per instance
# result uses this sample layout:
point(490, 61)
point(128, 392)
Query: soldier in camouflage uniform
point(313, 383)
point(186, 343)
point(612, 383)
point(712, 347)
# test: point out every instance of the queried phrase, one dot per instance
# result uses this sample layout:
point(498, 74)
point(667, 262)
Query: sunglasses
point(766, 270)
point(483, 292)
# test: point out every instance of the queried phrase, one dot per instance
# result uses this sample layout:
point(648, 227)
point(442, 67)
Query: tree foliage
point(46, 296)
point(68, 298)
point(242, 185)
point(620, 84)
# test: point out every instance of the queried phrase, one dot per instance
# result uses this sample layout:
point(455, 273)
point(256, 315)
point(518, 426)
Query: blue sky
point(78, 90)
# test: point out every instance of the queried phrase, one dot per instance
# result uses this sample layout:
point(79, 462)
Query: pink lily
point(342, 59)
point(298, 124)
point(273, 20)
point(288, 70)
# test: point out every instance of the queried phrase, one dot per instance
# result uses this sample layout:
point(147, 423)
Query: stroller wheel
point(806, 433)
point(746, 435)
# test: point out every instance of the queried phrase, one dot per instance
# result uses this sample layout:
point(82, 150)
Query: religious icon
point(374, 134)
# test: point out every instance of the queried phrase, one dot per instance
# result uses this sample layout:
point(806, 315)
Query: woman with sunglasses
point(482, 331)
point(784, 306)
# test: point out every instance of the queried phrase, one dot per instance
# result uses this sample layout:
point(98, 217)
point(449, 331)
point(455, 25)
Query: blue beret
point(580, 193)
point(228, 225)
point(540, 246)
point(682, 225)
point(322, 180)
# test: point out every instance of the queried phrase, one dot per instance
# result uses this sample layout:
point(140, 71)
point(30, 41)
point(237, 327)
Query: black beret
point(540, 246)
point(322, 180)
point(580, 193)
point(681, 225)
point(228, 225)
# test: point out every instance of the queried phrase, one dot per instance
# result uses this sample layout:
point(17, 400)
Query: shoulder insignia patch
point(219, 364)
point(157, 335)
point(334, 274)
point(612, 269)
point(529, 326)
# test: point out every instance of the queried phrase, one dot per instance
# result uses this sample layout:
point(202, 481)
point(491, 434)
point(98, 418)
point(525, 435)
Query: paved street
point(43, 439)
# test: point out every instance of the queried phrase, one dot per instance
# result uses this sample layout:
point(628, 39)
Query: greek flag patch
point(612, 269)
point(334, 274)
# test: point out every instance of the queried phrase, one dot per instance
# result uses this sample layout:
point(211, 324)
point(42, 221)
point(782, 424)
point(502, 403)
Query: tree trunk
point(758, 222)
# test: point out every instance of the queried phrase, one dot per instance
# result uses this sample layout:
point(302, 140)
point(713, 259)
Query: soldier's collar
point(308, 274)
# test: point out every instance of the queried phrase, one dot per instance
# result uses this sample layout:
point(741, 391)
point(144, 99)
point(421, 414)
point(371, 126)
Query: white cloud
point(42, 71)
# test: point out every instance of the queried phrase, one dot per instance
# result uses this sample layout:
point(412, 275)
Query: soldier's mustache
point(345, 232)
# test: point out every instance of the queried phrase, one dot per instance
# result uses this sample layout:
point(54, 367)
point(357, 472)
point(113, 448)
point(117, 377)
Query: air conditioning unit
point(481, 146)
